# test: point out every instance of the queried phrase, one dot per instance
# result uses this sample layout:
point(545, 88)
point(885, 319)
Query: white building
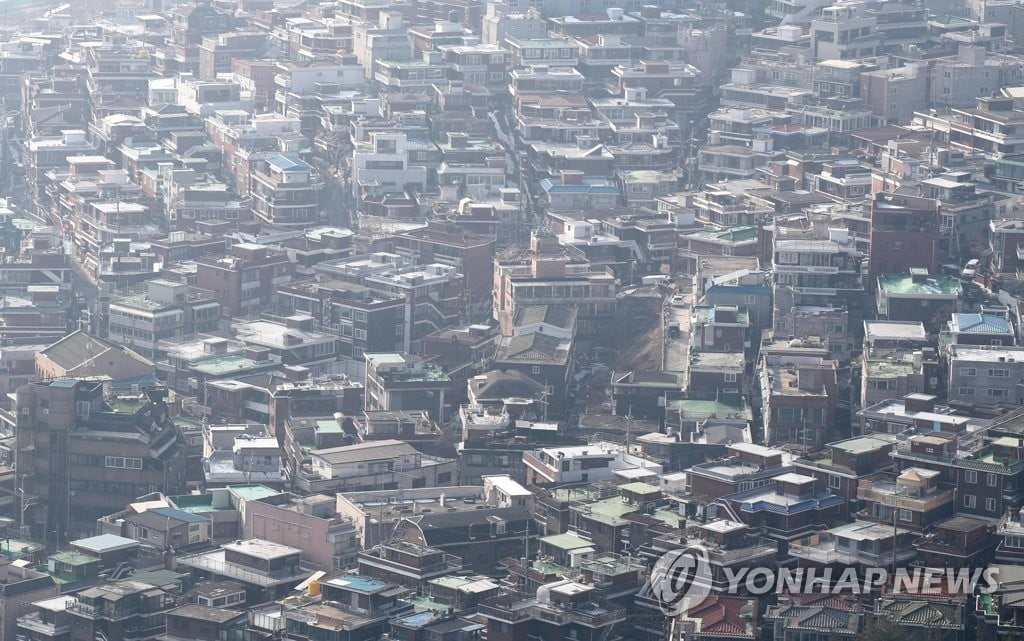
point(581, 464)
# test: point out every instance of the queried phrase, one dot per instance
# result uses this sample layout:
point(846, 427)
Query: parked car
point(971, 268)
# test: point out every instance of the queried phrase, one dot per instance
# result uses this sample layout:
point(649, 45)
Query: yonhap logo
point(681, 579)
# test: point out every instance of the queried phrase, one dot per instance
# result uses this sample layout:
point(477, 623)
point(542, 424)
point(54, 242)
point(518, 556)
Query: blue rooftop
point(980, 324)
point(358, 583)
point(288, 163)
point(552, 188)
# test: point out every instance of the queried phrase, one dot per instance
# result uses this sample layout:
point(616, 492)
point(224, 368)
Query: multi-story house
point(364, 321)
point(799, 397)
point(846, 462)
point(165, 311)
point(860, 544)
point(546, 273)
point(104, 454)
point(26, 604)
point(965, 213)
point(473, 256)
point(985, 375)
point(812, 270)
point(363, 605)
point(744, 466)
point(292, 342)
point(913, 499)
point(204, 623)
point(267, 570)
point(787, 508)
point(1006, 245)
point(990, 327)
point(720, 328)
point(918, 297)
point(904, 234)
point(384, 163)
point(405, 382)
point(845, 32)
point(244, 282)
point(217, 51)
point(563, 609)
point(123, 610)
point(284, 191)
point(313, 526)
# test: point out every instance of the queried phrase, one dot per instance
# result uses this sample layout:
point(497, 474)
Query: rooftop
point(907, 285)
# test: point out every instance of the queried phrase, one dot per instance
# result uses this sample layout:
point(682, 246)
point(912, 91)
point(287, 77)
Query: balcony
point(214, 563)
point(867, 491)
point(825, 553)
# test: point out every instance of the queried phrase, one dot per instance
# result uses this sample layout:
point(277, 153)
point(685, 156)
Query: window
point(999, 373)
point(399, 329)
point(965, 391)
point(906, 516)
point(536, 369)
point(120, 462)
point(789, 258)
point(834, 329)
point(835, 482)
point(991, 479)
point(998, 393)
point(970, 500)
point(990, 505)
point(971, 476)
point(968, 371)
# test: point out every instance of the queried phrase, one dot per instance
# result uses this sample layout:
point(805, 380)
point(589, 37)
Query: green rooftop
point(639, 488)
point(453, 582)
point(253, 491)
point(329, 427)
point(706, 314)
point(693, 408)
point(861, 444)
point(16, 548)
point(74, 558)
point(159, 577)
point(425, 604)
point(670, 517)
point(226, 364)
point(888, 369)
point(611, 510)
point(566, 541)
point(918, 285)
